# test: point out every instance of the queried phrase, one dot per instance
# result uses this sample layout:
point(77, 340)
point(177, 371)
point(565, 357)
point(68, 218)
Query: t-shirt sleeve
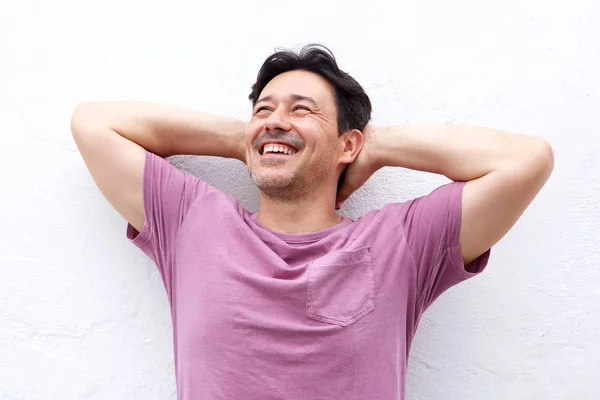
point(168, 195)
point(432, 228)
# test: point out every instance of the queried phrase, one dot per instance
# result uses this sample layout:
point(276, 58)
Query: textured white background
point(83, 314)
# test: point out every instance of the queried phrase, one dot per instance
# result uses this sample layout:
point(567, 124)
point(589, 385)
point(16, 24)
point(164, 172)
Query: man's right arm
point(113, 138)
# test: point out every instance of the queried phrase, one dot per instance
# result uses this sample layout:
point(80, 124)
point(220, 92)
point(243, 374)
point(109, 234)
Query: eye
point(300, 107)
point(263, 108)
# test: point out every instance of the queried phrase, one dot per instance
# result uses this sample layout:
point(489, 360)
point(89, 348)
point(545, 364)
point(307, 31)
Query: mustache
point(280, 136)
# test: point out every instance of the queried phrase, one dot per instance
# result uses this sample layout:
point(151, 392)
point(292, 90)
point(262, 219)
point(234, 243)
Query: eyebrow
point(296, 97)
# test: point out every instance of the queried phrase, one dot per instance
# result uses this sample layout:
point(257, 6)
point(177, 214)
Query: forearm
point(461, 153)
point(165, 130)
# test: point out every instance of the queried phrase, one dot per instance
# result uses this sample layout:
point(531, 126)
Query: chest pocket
point(341, 287)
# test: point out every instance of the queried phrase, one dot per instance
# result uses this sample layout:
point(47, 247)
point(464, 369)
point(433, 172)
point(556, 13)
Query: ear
point(352, 143)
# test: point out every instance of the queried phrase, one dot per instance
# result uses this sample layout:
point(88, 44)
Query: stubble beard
point(282, 187)
point(288, 187)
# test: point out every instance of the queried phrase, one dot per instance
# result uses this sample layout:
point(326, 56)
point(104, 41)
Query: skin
point(504, 171)
point(297, 193)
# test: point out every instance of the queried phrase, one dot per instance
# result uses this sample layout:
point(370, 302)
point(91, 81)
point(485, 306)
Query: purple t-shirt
point(260, 315)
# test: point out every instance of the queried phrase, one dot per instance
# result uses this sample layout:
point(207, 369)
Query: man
point(294, 301)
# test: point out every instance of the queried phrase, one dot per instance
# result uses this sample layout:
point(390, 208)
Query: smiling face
point(293, 146)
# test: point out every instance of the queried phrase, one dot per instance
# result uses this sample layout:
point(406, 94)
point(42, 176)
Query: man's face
point(296, 114)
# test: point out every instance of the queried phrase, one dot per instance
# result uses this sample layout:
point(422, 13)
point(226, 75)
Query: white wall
point(83, 314)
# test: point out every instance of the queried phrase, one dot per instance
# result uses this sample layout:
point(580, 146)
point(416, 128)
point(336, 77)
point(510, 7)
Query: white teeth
point(278, 149)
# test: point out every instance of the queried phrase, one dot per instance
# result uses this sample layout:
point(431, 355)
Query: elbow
point(541, 160)
point(84, 117)
point(78, 118)
point(546, 156)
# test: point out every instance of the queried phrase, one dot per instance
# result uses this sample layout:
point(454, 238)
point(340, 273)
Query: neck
point(306, 215)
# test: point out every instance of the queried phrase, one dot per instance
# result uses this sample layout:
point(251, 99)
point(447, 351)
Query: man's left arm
point(503, 171)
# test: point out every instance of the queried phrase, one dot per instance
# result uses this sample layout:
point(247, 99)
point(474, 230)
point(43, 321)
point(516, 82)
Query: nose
point(277, 121)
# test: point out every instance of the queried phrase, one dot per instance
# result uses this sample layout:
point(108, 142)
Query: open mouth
point(278, 150)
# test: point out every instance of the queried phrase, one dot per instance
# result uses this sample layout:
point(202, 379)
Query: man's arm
point(113, 137)
point(504, 172)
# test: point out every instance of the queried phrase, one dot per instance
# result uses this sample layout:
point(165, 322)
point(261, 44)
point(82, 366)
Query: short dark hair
point(352, 103)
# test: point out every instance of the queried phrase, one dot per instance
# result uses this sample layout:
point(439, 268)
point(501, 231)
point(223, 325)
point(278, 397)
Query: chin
point(272, 179)
point(278, 184)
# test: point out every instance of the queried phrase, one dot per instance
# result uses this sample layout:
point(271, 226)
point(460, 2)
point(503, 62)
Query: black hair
point(352, 103)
